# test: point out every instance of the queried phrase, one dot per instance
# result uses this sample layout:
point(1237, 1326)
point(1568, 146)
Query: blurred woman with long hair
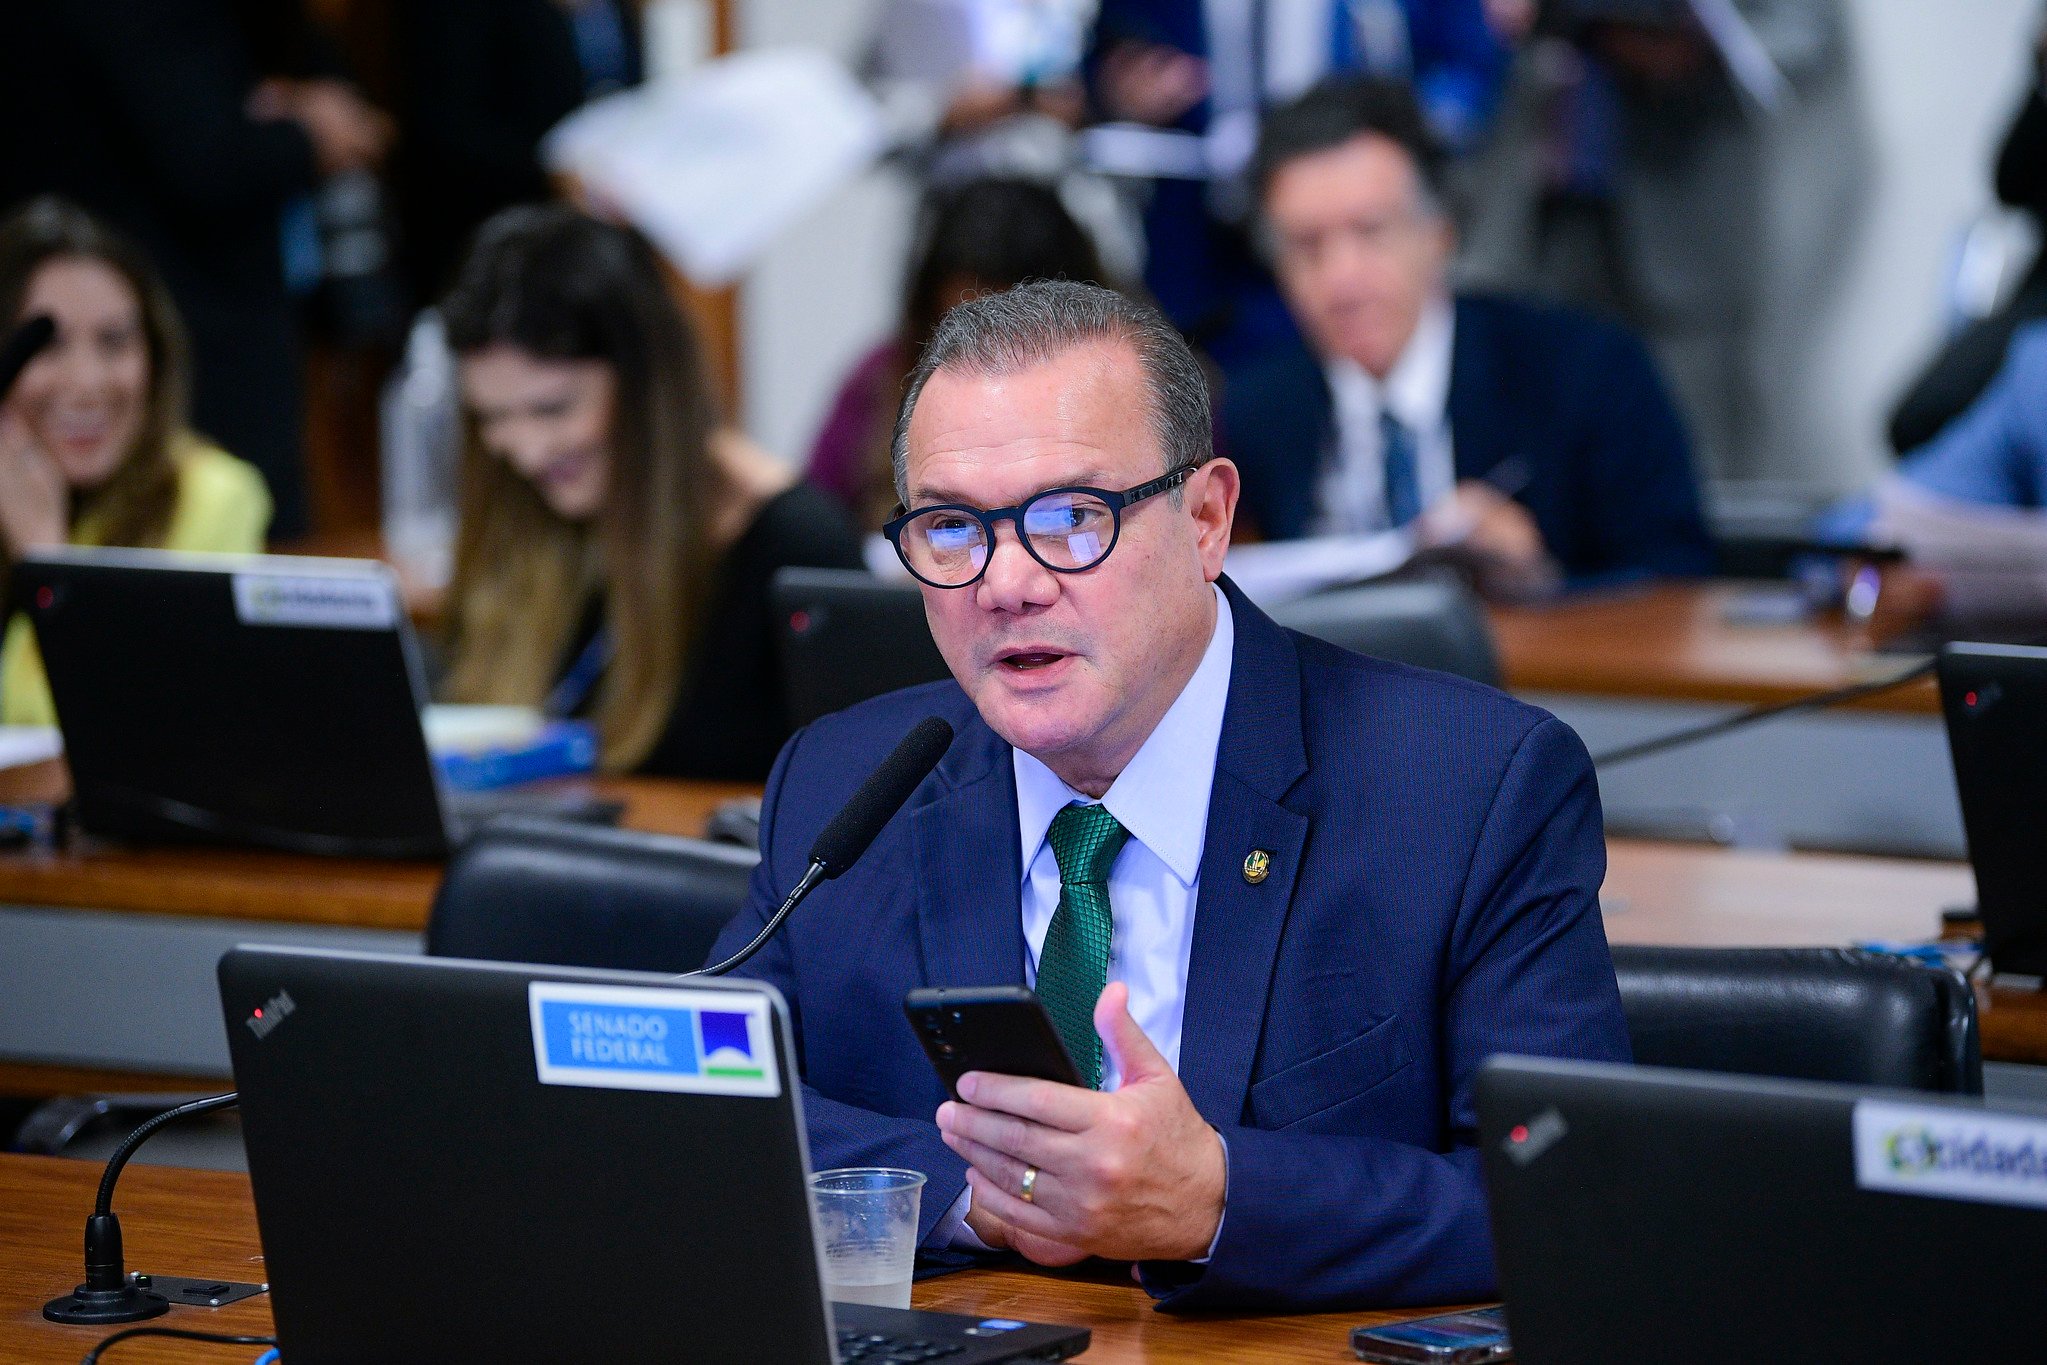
point(616, 542)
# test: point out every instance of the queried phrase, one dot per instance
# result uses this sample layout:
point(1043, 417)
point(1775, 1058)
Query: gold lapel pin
point(1257, 866)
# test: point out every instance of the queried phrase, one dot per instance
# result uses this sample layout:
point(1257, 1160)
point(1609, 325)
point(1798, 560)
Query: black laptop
point(844, 636)
point(442, 1173)
point(1994, 698)
point(1642, 1214)
point(258, 700)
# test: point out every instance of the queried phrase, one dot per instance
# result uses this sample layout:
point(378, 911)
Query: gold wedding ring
point(1029, 1192)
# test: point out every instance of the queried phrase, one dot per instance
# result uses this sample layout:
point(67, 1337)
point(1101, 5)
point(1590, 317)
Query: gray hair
point(1019, 328)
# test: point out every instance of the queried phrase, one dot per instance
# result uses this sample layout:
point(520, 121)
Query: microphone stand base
point(104, 1307)
point(146, 1296)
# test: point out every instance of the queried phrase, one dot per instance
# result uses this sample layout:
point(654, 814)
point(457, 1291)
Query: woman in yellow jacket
point(94, 449)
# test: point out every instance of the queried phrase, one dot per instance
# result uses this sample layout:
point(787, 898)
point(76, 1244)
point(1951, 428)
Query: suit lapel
point(1238, 923)
point(969, 869)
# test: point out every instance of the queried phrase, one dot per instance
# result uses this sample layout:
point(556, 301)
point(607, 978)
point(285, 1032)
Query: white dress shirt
point(1351, 496)
point(1161, 797)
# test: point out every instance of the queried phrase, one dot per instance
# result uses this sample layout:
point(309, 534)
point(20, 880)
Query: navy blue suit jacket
point(1436, 858)
point(1576, 399)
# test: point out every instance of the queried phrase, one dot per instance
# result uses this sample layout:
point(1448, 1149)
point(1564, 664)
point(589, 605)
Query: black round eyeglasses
point(1068, 530)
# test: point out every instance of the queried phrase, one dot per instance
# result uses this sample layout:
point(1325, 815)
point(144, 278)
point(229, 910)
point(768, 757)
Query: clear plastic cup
point(867, 1230)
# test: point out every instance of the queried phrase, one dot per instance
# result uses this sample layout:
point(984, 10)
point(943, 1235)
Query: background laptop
point(261, 700)
point(845, 636)
point(1994, 698)
point(434, 1184)
point(1642, 1214)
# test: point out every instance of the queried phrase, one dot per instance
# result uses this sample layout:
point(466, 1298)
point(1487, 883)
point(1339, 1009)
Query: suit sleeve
point(1990, 453)
point(840, 1134)
point(1643, 489)
point(1318, 1221)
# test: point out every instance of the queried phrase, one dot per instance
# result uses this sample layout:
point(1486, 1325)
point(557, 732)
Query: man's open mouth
point(1024, 660)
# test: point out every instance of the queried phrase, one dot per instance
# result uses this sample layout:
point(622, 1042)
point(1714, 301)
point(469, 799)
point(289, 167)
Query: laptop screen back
point(1683, 1217)
point(1994, 698)
point(253, 700)
point(475, 1161)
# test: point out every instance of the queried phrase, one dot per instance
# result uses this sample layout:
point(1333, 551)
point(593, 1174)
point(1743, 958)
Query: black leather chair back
point(587, 896)
point(1818, 1014)
point(1430, 622)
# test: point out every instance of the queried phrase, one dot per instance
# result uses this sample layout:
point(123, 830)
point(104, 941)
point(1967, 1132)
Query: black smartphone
point(1475, 1337)
point(1002, 1029)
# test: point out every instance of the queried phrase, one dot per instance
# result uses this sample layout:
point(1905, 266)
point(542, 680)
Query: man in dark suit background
point(1281, 900)
point(1540, 437)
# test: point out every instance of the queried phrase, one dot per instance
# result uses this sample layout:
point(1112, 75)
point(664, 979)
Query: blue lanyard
point(574, 688)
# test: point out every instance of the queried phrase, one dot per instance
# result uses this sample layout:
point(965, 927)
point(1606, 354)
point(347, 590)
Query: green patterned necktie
point(1073, 967)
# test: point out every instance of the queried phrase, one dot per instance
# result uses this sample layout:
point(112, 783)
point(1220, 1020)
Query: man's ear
point(1212, 498)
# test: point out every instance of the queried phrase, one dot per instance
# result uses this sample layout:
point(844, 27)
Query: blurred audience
point(191, 125)
point(1963, 369)
point(1539, 438)
point(1703, 184)
point(94, 446)
point(481, 82)
point(1210, 70)
point(980, 238)
point(616, 543)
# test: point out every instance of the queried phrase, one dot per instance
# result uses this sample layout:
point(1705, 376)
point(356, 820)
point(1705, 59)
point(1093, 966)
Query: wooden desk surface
point(204, 1223)
point(227, 883)
point(1672, 642)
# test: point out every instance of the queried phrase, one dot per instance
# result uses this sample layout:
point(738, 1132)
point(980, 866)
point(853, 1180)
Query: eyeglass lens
point(1066, 530)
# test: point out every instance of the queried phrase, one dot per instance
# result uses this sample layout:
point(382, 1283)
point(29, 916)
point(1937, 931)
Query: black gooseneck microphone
point(108, 1295)
point(21, 346)
point(856, 824)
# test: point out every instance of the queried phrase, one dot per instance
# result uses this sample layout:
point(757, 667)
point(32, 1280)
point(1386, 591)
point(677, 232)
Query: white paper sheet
point(1282, 570)
point(1991, 561)
point(715, 164)
point(21, 745)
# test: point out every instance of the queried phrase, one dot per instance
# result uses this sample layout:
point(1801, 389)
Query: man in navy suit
point(1209, 70)
point(1280, 900)
point(1540, 437)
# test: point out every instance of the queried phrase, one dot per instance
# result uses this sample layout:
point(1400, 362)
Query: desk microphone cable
point(217, 1338)
point(1741, 720)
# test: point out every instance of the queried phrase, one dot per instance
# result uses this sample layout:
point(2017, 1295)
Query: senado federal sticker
point(1948, 1153)
point(334, 602)
point(653, 1038)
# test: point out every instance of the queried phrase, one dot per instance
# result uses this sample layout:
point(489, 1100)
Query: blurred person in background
point(94, 445)
point(1971, 358)
point(1992, 455)
point(973, 85)
point(1695, 167)
point(616, 542)
point(1539, 439)
point(979, 238)
point(1210, 69)
point(480, 83)
point(192, 125)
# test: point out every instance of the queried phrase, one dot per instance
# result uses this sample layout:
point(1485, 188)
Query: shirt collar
point(1161, 797)
point(1417, 389)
